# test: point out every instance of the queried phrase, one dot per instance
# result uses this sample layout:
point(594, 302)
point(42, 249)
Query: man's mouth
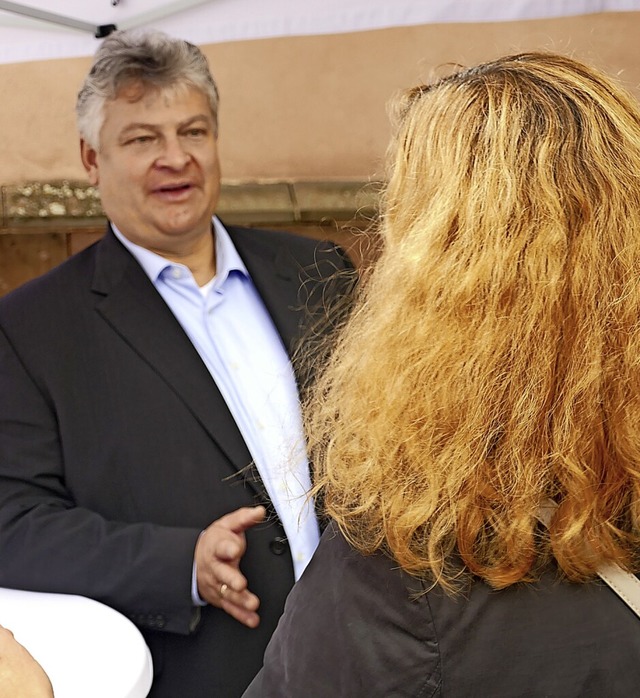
point(175, 192)
point(173, 188)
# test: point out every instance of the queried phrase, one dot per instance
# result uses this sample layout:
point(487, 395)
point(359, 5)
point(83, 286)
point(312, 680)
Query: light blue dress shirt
point(234, 334)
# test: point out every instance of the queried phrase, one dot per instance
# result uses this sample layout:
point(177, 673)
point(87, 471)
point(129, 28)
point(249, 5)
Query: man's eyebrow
point(193, 119)
point(136, 126)
point(156, 127)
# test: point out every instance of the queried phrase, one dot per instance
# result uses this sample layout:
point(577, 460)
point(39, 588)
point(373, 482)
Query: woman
point(20, 674)
point(492, 364)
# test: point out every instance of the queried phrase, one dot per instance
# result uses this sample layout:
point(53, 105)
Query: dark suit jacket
point(116, 450)
point(358, 627)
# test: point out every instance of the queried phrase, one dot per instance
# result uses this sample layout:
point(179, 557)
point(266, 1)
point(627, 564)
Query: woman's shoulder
point(549, 638)
point(354, 625)
point(357, 625)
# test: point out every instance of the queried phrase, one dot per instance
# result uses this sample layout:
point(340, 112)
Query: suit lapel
point(307, 295)
point(137, 312)
point(276, 276)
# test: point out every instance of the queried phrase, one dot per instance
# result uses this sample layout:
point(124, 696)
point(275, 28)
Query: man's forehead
point(139, 97)
point(139, 91)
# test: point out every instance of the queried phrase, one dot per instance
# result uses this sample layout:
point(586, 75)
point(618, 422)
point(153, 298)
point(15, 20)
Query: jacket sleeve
point(47, 543)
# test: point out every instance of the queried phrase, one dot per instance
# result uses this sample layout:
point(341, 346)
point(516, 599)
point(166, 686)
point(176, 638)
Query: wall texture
point(301, 107)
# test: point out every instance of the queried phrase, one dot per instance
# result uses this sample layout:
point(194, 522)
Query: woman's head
point(494, 358)
point(524, 139)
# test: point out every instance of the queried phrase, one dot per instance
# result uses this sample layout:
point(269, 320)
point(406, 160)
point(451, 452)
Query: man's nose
point(174, 155)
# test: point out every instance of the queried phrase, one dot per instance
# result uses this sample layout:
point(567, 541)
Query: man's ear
point(89, 156)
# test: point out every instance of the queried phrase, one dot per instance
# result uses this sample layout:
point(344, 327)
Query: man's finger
point(228, 550)
point(242, 519)
point(247, 617)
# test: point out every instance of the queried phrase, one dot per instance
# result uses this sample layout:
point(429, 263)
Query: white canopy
point(23, 38)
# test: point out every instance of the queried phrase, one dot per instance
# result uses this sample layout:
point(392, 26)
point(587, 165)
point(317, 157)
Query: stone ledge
point(282, 202)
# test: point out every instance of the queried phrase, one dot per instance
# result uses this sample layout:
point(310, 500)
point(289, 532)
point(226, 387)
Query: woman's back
point(358, 627)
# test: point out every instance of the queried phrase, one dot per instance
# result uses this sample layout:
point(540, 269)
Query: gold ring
point(223, 589)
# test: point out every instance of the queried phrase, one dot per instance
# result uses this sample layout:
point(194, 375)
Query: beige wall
point(302, 107)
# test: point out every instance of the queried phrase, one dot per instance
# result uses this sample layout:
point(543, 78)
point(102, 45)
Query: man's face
point(157, 167)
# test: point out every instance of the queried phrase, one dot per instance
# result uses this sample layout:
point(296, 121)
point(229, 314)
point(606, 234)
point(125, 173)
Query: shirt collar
point(227, 257)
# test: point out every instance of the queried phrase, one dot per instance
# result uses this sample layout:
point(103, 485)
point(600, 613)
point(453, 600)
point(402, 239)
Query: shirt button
point(176, 273)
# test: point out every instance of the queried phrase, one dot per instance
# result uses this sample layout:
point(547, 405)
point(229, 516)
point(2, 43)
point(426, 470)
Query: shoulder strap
point(625, 584)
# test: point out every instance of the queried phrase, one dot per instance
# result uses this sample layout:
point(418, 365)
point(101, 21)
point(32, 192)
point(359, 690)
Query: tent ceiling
point(91, 16)
point(30, 34)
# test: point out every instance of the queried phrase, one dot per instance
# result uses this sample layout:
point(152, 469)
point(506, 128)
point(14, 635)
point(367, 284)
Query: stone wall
point(41, 224)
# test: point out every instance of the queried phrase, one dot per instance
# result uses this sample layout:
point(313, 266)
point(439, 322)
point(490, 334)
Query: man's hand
point(20, 675)
point(218, 553)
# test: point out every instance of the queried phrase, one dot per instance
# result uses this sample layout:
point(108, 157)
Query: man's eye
point(196, 132)
point(139, 140)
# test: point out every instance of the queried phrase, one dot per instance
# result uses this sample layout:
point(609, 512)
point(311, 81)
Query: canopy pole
point(98, 31)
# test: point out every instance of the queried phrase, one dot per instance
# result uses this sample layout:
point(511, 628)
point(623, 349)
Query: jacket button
point(278, 546)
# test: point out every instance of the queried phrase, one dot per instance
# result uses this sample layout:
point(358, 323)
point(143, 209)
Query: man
point(151, 452)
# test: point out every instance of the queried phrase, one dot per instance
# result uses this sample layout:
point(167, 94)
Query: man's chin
point(187, 226)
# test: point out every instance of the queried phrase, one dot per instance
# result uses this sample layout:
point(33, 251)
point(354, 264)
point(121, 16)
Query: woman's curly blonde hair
point(493, 357)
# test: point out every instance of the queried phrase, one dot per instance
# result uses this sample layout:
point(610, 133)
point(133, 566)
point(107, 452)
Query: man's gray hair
point(150, 58)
